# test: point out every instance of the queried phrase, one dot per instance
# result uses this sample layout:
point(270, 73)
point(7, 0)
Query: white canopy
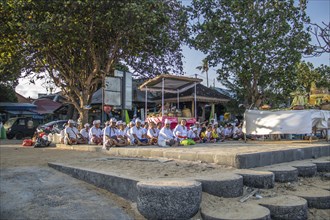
point(284, 122)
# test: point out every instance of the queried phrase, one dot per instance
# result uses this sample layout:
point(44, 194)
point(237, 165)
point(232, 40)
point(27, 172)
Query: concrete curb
point(120, 185)
point(227, 185)
point(260, 159)
point(257, 179)
point(286, 207)
point(322, 166)
point(248, 158)
point(284, 174)
point(90, 148)
point(169, 199)
point(306, 169)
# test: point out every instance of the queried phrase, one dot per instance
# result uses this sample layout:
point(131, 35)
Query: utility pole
point(196, 75)
point(213, 83)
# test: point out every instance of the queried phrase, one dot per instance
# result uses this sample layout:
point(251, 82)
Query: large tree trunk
point(83, 118)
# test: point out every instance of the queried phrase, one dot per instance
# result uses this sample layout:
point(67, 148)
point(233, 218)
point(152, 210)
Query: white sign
point(112, 91)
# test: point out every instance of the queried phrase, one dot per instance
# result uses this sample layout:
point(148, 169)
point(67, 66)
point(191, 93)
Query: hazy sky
point(318, 11)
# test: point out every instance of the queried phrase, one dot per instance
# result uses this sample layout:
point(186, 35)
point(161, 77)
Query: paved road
point(31, 190)
point(43, 193)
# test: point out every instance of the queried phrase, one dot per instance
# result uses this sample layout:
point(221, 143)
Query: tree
point(79, 42)
point(322, 36)
point(254, 44)
point(205, 69)
point(7, 93)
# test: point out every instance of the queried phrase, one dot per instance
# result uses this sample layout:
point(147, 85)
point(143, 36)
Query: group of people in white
point(118, 134)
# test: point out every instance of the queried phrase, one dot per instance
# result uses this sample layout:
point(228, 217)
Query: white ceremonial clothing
point(165, 134)
point(208, 134)
point(72, 132)
point(139, 132)
point(227, 132)
point(94, 131)
point(191, 134)
point(153, 132)
point(182, 130)
point(84, 133)
point(130, 136)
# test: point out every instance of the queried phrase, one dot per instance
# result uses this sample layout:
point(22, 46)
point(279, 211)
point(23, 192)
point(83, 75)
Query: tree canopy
point(253, 44)
point(78, 42)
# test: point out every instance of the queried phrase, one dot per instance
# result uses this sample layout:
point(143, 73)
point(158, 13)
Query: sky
point(317, 10)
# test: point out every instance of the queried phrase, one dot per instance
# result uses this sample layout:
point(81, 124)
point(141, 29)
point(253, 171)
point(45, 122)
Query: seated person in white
point(181, 131)
point(145, 126)
point(84, 133)
point(95, 133)
point(152, 133)
point(191, 133)
point(71, 133)
point(138, 133)
point(121, 134)
point(166, 137)
point(129, 134)
point(126, 127)
point(110, 134)
point(237, 132)
point(62, 133)
point(199, 128)
point(227, 132)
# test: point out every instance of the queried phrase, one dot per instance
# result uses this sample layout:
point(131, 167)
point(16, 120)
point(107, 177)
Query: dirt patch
point(150, 169)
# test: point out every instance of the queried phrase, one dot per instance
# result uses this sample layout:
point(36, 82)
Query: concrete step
point(235, 154)
point(126, 186)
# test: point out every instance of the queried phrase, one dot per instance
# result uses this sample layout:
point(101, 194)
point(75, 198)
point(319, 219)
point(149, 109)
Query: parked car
point(54, 126)
point(20, 127)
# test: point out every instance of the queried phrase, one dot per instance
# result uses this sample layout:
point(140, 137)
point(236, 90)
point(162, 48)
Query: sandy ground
point(15, 159)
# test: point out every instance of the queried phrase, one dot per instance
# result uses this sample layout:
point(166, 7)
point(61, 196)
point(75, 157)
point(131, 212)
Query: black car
point(21, 127)
point(52, 126)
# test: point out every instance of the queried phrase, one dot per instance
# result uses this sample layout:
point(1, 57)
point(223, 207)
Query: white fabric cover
point(284, 122)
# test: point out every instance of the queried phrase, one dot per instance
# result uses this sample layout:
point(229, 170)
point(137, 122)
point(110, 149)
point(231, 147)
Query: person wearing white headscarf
point(95, 133)
point(84, 133)
point(71, 133)
point(153, 133)
point(181, 130)
point(110, 134)
point(129, 134)
point(138, 133)
point(166, 137)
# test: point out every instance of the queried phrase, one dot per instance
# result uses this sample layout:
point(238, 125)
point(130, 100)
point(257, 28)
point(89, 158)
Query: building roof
point(17, 106)
point(170, 83)
point(22, 99)
point(46, 106)
point(203, 94)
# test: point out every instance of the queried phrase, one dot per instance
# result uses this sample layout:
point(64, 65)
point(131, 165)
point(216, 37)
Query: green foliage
point(254, 44)
point(78, 42)
point(7, 93)
point(324, 74)
point(306, 74)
